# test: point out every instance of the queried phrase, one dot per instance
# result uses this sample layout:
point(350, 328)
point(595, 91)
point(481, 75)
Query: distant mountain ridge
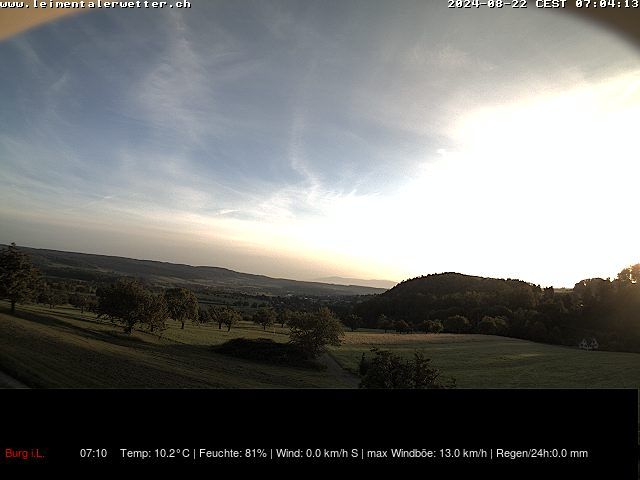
point(93, 267)
point(386, 284)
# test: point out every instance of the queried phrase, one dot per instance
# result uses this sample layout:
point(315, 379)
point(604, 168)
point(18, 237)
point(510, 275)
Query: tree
point(555, 335)
point(432, 326)
point(537, 331)
point(353, 322)
point(265, 316)
point(456, 324)
point(45, 297)
point(59, 298)
point(215, 314)
point(388, 370)
point(401, 326)
point(182, 305)
point(384, 323)
point(127, 302)
point(92, 303)
point(154, 311)
point(284, 316)
point(487, 326)
point(502, 326)
point(635, 273)
point(78, 301)
point(547, 294)
point(230, 317)
point(18, 278)
point(591, 290)
point(204, 315)
point(630, 275)
point(313, 331)
point(123, 302)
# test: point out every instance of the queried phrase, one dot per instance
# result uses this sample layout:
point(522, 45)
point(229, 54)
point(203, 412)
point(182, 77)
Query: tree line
point(131, 304)
point(128, 303)
point(608, 309)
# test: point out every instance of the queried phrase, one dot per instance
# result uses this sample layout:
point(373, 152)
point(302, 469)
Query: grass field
point(483, 361)
point(62, 348)
point(211, 335)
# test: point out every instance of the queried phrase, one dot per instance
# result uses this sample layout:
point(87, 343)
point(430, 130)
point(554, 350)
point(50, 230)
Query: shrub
point(265, 350)
point(389, 371)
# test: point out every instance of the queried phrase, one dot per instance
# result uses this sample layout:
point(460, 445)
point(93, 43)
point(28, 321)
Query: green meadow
point(485, 361)
point(62, 348)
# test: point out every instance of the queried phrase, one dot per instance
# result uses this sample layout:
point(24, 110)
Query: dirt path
point(334, 369)
point(9, 382)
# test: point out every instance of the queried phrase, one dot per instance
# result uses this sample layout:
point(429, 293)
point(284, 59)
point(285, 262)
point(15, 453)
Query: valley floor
point(62, 348)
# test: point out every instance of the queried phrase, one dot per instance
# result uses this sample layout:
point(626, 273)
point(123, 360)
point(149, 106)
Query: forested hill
point(457, 283)
point(608, 310)
point(103, 268)
point(445, 294)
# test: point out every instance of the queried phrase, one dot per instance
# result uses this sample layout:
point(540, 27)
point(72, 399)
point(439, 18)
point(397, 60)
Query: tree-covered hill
point(604, 309)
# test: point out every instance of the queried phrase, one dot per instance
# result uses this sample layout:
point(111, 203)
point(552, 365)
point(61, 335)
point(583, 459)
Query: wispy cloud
point(175, 96)
point(308, 129)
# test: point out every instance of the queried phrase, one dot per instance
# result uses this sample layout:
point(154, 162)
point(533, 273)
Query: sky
point(303, 139)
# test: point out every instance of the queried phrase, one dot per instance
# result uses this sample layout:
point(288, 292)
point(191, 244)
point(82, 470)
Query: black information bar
point(582, 433)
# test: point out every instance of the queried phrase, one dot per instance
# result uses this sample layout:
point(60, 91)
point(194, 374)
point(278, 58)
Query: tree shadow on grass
point(42, 360)
point(115, 337)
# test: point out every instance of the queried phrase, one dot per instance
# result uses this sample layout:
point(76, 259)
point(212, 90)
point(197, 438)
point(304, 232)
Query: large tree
point(265, 317)
point(456, 324)
point(401, 326)
point(123, 302)
point(432, 326)
point(127, 302)
point(18, 278)
point(230, 317)
point(154, 312)
point(204, 315)
point(284, 316)
point(182, 305)
point(215, 313)
point(630, 274)
point(78, 300)
point(313, 331)
point(352, 321)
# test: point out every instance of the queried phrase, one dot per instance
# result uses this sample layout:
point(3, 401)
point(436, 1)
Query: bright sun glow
point(551, 179)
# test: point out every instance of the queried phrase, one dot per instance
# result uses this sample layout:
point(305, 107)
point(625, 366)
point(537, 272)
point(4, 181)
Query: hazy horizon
point(368, 140)
point(370, 282)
